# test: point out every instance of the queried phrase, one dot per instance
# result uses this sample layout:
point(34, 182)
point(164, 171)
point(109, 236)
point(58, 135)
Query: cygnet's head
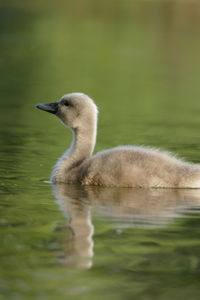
point(74, 110)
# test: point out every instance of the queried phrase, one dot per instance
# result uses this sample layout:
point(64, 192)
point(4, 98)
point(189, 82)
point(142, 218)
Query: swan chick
point(123, 166)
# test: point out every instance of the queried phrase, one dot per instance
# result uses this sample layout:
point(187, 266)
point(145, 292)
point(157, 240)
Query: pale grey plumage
point(125, 166)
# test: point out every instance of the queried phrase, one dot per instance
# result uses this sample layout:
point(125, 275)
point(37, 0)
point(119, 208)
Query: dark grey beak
point(49, 107)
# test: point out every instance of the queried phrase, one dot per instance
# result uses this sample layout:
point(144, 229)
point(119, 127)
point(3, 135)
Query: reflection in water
point(77, 208)
point(124, 207)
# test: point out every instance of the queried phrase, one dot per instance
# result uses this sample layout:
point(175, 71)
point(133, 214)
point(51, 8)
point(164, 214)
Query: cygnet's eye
point(66, 103)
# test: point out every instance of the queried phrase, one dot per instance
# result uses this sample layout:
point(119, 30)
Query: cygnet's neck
point(81, 148)
point(82, 145)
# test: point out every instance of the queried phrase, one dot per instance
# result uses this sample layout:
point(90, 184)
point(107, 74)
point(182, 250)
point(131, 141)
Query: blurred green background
point(140, 62)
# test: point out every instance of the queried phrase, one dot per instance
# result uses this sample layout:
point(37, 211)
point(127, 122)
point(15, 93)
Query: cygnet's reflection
point(123, 207)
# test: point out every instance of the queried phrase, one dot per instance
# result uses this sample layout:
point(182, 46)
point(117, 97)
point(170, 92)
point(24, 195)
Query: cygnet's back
point(125, 166)
point(134, 166)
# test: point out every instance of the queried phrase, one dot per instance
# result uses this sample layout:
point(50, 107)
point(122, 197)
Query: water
point(140, 62)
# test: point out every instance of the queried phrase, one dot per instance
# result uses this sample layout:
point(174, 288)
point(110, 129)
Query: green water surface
point(140, 61)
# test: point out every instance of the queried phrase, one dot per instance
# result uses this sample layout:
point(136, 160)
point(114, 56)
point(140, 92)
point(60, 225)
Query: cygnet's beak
point(49, 107)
